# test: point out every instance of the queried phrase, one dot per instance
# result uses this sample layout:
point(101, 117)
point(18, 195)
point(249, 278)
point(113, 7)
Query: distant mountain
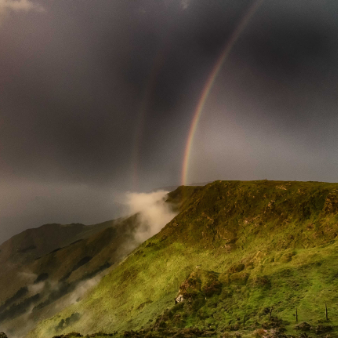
point(33, 243)
point(43, 269)
point(17, 253)
point(240, 259)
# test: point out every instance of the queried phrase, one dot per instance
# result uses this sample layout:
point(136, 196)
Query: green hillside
point(243, 255)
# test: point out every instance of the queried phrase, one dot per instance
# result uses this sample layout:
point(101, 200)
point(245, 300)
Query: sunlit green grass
point(282, 232)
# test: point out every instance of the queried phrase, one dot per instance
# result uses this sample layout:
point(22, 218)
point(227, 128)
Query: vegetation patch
point(200, 282)
point(28, 248)
point(42, 277)
point(81, 262)
point(20, 308)
point(64, 323)
point(19, 294)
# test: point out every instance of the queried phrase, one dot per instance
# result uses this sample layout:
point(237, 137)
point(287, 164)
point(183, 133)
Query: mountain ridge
point(36, 282)
point(250, 234)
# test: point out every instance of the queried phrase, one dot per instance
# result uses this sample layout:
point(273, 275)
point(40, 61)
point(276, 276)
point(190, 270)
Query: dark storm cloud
point(81, 79)
point(63, 108)
point(291, 55)
point(292, 46)
point(75, 80)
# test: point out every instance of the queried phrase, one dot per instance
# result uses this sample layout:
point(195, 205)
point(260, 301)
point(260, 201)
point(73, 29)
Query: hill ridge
point(270, 228)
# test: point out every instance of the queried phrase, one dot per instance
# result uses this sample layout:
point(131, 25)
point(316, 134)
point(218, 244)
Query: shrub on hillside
point(200, 281)
point(258, 333)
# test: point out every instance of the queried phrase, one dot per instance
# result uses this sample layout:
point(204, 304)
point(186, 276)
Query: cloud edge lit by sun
point(7, 6)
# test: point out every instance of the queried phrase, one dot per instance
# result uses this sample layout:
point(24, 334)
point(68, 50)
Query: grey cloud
point(93, 91)
point(7, 6)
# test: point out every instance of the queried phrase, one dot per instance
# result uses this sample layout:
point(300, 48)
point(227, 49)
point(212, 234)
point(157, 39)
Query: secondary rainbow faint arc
point(208, 85)
point(142, 112)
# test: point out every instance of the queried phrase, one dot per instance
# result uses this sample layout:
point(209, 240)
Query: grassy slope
point(282, 233)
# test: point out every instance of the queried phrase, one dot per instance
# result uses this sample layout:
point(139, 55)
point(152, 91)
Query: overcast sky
point(97, 98)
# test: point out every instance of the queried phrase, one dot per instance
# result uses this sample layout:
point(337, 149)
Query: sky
point(97, 98)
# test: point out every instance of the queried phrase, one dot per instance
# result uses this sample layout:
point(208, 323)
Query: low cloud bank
point(153, 210)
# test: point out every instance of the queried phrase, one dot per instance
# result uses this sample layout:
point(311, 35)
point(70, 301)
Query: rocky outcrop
point(179, 299)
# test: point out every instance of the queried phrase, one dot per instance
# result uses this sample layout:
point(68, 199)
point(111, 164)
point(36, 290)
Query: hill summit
point(240, 258)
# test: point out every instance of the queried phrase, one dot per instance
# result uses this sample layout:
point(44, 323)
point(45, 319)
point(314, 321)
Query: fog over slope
point(154, 212)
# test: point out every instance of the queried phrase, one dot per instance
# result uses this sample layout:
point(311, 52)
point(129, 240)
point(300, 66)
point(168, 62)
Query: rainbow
point(208, 85)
